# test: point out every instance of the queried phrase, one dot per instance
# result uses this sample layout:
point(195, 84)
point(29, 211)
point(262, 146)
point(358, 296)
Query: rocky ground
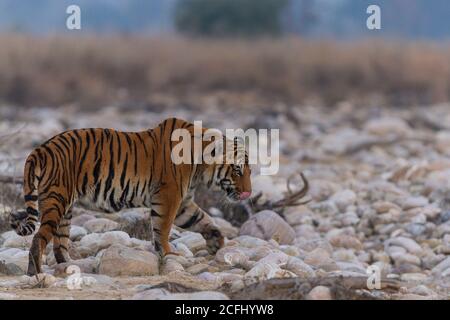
point(379, 189)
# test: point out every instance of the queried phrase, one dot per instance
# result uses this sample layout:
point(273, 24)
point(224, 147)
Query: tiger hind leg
point(51, 213)
point(61, 239)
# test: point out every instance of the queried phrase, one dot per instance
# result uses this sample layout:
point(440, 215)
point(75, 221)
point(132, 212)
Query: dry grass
point(126, 70)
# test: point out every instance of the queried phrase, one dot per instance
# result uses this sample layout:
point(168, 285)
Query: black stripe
point(30, 197)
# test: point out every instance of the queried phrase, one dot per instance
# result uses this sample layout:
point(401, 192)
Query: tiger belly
point(114, 201)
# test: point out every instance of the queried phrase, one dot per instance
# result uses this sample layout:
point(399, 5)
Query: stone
point(413, 202)
point(343, 199)
point(77, 232)
point(346, 241)
point(413, 277)
point(16, 257)
point(264, 270)
point(442, 266)
point(299, 267)
point(248, 242)
point(100, 225)
point(81, 219)
point(197, 268)
point(13, 240)
point(268, 225)
point(86, 265)
point(10, 269)
point(409, 244)
point(385, 206)
point(298, 216)
point(97, 241)
point(319, 293)
point(405, 258)
point(388, 126)
point(162, 294)
point(170, 265)
point(194, 241)
point(233, 256)
point(226, 228)
point(7, 296)
point(183, 250)
point(118, 260)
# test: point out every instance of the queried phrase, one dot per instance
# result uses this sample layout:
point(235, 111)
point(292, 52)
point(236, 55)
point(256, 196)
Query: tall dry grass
point(105, 70)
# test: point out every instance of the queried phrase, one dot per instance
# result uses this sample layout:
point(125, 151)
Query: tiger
point(109, 170)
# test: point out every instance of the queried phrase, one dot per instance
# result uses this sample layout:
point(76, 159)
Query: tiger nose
point(244, 195)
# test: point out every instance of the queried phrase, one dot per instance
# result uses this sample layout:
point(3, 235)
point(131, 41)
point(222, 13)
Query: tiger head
point(234, 178)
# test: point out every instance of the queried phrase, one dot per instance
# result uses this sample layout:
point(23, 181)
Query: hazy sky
point(331, 18)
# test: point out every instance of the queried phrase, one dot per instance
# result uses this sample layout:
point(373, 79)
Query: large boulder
point(119, 260)
point(268, 225)
point(100, 225)
point(93, 242)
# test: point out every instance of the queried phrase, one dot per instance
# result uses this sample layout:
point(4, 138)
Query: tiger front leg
point(163, 217)
point(191, 217)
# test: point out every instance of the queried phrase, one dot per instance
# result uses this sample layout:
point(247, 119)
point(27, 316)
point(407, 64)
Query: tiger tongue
point(244, 195)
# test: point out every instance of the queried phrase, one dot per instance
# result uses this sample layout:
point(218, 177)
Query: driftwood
point(341, 287)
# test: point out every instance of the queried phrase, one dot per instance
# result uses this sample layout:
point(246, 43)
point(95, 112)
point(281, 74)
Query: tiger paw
point(214, 239)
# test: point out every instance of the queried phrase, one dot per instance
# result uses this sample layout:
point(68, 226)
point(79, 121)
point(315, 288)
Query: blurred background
point(138, 52)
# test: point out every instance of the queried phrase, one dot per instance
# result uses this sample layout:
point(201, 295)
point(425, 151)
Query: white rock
point(442, 266)
point(409, 244)
point(268, 225)
point(81, 219)
point(15, 256)
point(299, 267)
point(45, 280)
point(119, 260)
point(279, 258)
point(249, 241)
point(87, 265)
point(232, 256)
point(413, 202)
point(343, 140)
point(263, 271)
point(387, 126)
point(97, 241)
point(343, 199)
point(13, 240)
point(319, 293)
point(100, 225)
point(345, 241)
point(7, 296)
point(77, 232)
point(298, 216)
point(171, 265)
point(402, 258)
point(351, 266)
point(184, 250)
point(194, 241)
point(161, 294)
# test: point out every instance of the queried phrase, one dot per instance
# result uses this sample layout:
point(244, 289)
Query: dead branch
point(290, 200)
